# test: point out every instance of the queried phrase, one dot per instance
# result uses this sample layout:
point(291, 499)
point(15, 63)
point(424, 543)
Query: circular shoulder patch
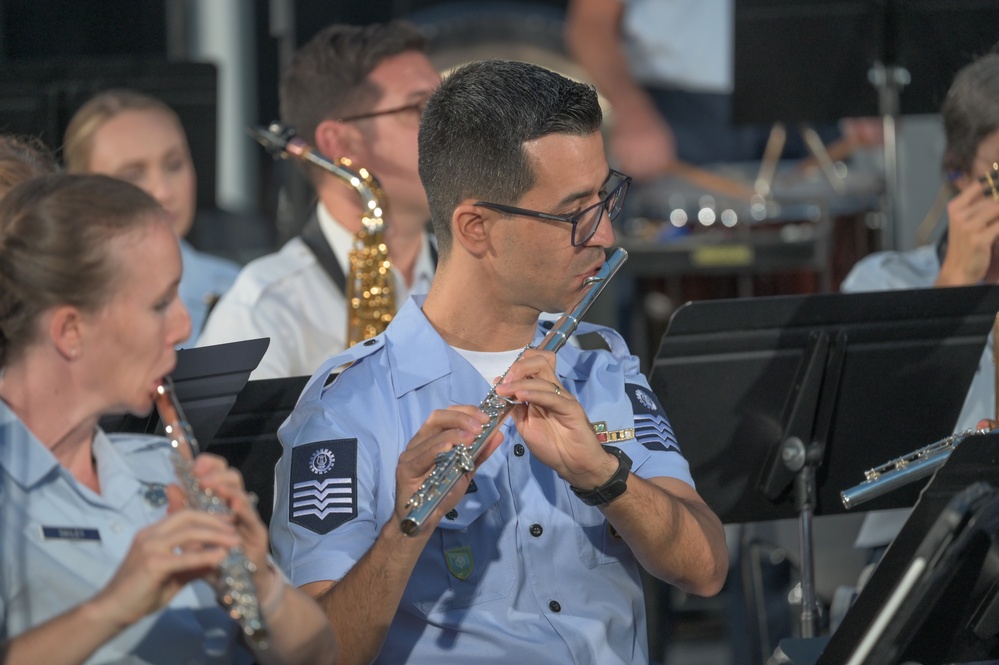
point(321, 461)
point(644, 399)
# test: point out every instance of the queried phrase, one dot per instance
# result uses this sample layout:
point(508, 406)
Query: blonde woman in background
point(137, 138)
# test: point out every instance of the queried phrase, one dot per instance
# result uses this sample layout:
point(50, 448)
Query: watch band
point(613, 488)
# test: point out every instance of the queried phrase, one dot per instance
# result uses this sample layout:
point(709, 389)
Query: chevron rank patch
point(652, 429)
point(323, 484)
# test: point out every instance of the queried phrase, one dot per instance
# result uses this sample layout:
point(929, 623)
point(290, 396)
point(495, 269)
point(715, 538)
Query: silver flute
point(234, 585)
point(458, 461)
point(903, 470)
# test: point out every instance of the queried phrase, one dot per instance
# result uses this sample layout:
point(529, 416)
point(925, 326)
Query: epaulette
point(610, 339)
point(349, 358)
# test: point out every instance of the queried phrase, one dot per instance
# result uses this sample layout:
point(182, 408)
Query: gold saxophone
point(370, 288)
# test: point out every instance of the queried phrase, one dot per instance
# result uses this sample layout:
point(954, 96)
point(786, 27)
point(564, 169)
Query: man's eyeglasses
point(416, 108)
point(585, 222)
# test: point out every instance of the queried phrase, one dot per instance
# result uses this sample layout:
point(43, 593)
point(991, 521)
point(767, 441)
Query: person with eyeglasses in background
point(965, 253)
point(536, 558)
point(350, 92)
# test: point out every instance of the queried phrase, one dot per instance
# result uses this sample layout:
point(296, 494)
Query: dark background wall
point(55, 54)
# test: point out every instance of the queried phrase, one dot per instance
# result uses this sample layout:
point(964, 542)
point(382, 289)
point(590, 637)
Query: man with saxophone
point(356, 93)
point(536, 558)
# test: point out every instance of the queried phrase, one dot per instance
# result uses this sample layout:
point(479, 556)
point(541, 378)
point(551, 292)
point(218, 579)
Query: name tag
point(69, 533)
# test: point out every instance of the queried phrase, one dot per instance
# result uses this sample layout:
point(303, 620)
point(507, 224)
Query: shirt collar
point(339, 238)
point(22, 455)
point(119, 484)
point(411, 328)
point(566, 360)
point(411, 371)
point(341, 241)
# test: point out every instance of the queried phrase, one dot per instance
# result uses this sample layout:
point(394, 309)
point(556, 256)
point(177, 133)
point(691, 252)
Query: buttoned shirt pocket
point(464, 563)
point(598, 543)
point(611, 418)
point(41, 571)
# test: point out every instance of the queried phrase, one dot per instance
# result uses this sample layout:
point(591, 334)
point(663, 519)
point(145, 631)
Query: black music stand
point(933, 597)
point(247, 438)
point(206, 382)
point(780, 403)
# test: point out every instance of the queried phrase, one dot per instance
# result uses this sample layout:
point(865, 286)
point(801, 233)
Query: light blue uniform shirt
point(205, 279)
point(522, 571)
point(61, 543)
point(918, 269)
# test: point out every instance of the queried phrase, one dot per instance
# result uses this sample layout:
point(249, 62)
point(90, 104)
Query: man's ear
point(336, 139)
point(471, 227)
point(66, 331)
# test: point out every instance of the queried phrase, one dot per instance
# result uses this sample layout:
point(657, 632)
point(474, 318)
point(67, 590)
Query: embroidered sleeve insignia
point(652, 429)
point(323, 484)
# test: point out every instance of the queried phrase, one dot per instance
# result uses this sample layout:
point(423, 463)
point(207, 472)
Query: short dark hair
point(328, 77)
point(475, 125)
point(970, 112)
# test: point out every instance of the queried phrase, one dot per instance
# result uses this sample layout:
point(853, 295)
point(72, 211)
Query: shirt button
point(554, 606)
point(116, 527)
point(452, 514)
point(370, 342)
point(518, 450)
point(536, 530)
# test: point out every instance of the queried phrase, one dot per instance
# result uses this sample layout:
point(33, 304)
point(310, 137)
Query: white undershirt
point(490, 364)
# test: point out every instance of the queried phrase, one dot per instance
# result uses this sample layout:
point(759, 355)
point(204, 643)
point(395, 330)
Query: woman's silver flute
point(235, 587)
point(458, 461)
point(901, 471)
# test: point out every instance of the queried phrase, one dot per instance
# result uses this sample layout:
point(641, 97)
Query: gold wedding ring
point(558, 390)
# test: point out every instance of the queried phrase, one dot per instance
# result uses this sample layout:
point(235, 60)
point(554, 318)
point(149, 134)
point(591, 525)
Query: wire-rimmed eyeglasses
point(416, 108)
point(585, 222)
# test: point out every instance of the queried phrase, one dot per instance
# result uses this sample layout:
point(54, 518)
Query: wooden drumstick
point(711, 181)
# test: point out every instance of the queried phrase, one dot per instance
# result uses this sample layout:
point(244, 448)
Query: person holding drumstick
point(100, 561)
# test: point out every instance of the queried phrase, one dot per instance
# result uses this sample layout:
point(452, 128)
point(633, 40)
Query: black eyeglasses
point(416, 108)
point(585, 222)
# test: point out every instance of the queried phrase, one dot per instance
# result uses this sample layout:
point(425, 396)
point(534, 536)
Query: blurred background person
point(89, 319)
point(967, 252)
point(665, 67)
point(22, 158)
point(354, 92)
point(137, 138)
